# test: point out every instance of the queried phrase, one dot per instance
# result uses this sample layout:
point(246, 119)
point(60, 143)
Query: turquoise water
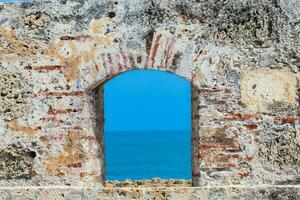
point(144, 155)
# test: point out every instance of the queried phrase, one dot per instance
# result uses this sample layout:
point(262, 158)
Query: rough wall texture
point(242, 58)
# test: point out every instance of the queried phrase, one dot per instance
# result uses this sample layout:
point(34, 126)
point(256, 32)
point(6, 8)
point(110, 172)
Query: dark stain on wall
point(16, 163)
point(285, 193)
point(279, 150)
point(15, 94)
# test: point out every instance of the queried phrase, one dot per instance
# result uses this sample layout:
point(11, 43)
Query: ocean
point(148, 154)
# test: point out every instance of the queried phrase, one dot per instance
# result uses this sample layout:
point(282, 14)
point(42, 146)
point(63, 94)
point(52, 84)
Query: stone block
point(269, 90)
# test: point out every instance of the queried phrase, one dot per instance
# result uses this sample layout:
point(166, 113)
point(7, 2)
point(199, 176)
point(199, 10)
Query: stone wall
point(241, 57)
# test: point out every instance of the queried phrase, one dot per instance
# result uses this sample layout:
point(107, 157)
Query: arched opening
point(147, 126)
point(147, 132)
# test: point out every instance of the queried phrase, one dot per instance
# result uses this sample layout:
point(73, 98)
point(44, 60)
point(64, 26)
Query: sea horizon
point(167, 130)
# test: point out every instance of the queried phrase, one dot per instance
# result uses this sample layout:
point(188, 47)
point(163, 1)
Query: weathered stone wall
point(241, 57)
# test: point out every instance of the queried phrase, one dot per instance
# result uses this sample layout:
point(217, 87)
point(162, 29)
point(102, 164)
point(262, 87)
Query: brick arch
point(96, 94)
point(165, 52)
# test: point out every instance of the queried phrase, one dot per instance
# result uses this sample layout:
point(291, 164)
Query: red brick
point(229, 165)
point(88, 137)
point(62, 111)
point(32, 173)
point(74, 128)
point(168, 52)
point(38, 128)
point(60, 94)
point(248, 158)
point(218, 146)
point(51, 119)
point(47, 68)
point(209, 90)
point(229, 155)
point(184, 18)
point(287, 119)
point(80, 38)
point(84, 174)
point(251, 126)
point(59, 136)
point(60, 174)
point(75, 165)
point(196, 174)
point(244, 174)
point(242, 116)
point(201, 154)
point(155, 47)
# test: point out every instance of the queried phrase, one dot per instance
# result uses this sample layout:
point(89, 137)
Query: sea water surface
point(148, 154)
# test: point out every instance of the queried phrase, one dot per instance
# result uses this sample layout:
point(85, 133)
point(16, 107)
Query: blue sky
point(147, 100)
